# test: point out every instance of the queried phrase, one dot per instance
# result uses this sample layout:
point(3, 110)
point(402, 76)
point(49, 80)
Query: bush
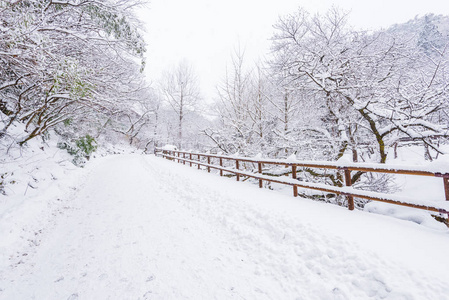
point(87, 145)
point(81, 149)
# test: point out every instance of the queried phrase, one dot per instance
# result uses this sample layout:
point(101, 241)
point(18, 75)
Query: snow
point(403, 213)
point(258, 156)
point(169, 147)
point(291, 158)
point(141, 227)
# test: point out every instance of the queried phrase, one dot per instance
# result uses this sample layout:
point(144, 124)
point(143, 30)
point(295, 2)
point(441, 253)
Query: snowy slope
point(140, 227)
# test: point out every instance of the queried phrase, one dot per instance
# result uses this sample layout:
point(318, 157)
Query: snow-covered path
point(142, 227)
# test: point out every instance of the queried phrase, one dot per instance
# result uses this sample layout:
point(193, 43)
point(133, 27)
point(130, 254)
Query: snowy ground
point(140, 227)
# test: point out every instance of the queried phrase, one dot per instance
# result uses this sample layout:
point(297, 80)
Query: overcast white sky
point(205, 32)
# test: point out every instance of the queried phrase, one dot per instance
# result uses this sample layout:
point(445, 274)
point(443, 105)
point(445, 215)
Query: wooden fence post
point(349, 183)
point(446, 185)
point(237, 167)
point(295, 188)
point(184, 156)
point(199, 160)
point(260, 172)
point(190, 159)
point(208, 162)
point(446, 192)
point(221, 165)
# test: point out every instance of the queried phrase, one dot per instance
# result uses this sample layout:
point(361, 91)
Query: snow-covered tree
point(180, 88)
point(243, 106)
point(360, 79)
point(66, 62)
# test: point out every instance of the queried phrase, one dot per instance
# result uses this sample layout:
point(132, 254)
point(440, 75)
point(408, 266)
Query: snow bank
point(38, 181)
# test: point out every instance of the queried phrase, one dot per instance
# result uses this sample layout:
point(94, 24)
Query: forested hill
point(419, 26)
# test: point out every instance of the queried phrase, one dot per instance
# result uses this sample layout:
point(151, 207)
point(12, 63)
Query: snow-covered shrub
point(80, 149)
point(87, 145)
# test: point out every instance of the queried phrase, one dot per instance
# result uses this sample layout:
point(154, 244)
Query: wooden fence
point(207, 161)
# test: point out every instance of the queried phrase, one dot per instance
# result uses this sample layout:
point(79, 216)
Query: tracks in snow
point(140, 228)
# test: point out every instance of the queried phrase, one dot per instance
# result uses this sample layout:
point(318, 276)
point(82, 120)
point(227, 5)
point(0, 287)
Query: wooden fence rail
point(193, 158)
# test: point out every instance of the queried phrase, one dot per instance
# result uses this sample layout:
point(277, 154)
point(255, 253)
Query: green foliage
point(81, 149)
point(117, 26)
point(67, 146)
point(71, 78)
point(68, 122)
point(87, 145)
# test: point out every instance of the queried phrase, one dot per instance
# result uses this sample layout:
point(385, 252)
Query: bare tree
point(244, 109)
point(181, 90)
